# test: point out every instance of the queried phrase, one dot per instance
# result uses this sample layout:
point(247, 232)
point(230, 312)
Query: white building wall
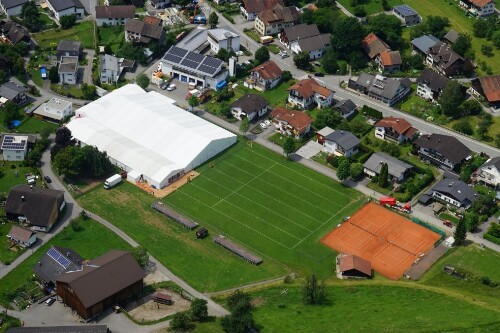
point(69, 78)
point(111, 21)
point(14, 155)
point(78, 12)
point(424, 91)
point(13, 11)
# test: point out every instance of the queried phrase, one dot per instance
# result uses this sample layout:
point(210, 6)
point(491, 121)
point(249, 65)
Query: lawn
point(69, 90)
point(11, 177)
point(273, 48)
point(112, 36)
point(34, 125)
point(252, 34)
point(276, 97)
point(360, 307)
point(7, 255)
point(371, 6)
point(90, 242)
point(36, 76)
point(83, 32)
point(9, 322)
point(280, 139)
point(453, 219)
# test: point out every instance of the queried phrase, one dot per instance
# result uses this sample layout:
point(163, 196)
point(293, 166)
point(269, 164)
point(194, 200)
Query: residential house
point(22, 236)
point(194, 68)
point(5, 64)
point(101, 283)
point(159, 4)
point(398, 170)
point(195, 41)
point(291, 123)
point(114, 15)
point(444, 60)
point(14, 147)
point(431, 85)
point(250, 106)
point(423, 44)
point(250, 8)
point(60, 8)
point(479, 8)
point(40, 207)
point(55, 110)
point(50, 265)
point(341, 143)
point(445, 151)
point(223, 39)
point(347, 108)
point(489, 88)
point(14, 33)
point(373, 46)
point(386, 90)
point(489, 172)
point(14, 92)
point(407, 15)
point(68, 70)
point(305, 38)
point(309, 93)
point(12, 7)
point(111, 68)
point(351, 266)
point(69, 48)
point(397, 129)
point(264, 77)
point(274, 20)
point(454, 192)
point(292, 34)
point(451, 36)
point(322, 133)
point(137, 31)
point(389, 62)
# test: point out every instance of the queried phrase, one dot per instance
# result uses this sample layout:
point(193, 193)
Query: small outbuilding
point(21, 236)
point(351, 266)
point(201, 233)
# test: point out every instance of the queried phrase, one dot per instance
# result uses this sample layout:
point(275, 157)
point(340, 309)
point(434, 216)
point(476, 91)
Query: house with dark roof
point(12, 7)
point(451, 36)
point(407, 15)
point(159, 4)
point(423, 44)
point(389, 62)
point(250, 106)
point(250, 8)
point(101, 283)
point(22, 236)
point(137, 31)
point(487, 87)
point(489, 172)
point(111, 68)
point(341, 143)
point(113, 15)
point(397, 129)
point(14, 33)
point(305, 38)
point(373, 46)
point(292, 34)
point(445, 151)
point(479, 8)
point(431, 85)
point(386, 90)
point(290, 122)
point(346, 108)
point(14, 92)
point(69, 48)
point(309, 93)
point(37, 206)
point(397, 169)
point(55, 262)
point(68, 70)
point(351, 266)
point(93, 328)
point(274, 20)
point(62, 8)
point(266, 76)
point(454, 192)
point(444, 60)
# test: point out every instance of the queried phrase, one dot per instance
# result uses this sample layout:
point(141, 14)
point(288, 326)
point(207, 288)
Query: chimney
point(22, 198)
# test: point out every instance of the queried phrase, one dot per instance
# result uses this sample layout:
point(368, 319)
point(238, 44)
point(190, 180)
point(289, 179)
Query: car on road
point(319, 74)
point(164, 86)
point(264, 126)
point(267, 122)
point(47, 179)
point(283, 54)
point(50, 301)
point(171, 87)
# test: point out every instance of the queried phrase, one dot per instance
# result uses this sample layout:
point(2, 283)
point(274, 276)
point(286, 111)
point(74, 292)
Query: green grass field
point(82, 31)
point(112, 36)
point(371, 6)
point(34, 125)
point(91, 242)
point(7, 255)
point(8, 178)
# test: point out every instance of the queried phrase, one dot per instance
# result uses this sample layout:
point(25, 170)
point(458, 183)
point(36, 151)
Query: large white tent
point(146, 133)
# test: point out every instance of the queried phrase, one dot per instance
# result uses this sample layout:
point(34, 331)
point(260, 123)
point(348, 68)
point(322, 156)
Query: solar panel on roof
point(189, 63)
point(405, 10)
point(177, 51)
point(58, 257)
point(53, 253)
point(172, 58)
point(64, 261)
point(207, 69)
point(195, 57)
point(212, 62)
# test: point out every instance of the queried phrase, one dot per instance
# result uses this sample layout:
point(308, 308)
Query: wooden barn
point(102, 283)
point(351, 266)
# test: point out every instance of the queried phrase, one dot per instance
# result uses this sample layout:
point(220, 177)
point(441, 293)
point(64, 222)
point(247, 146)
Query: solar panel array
point(9, 142)
point(58, 257)
point(193, 60)
point(405, 10)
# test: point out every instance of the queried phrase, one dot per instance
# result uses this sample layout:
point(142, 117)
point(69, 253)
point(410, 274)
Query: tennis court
point(389, 241)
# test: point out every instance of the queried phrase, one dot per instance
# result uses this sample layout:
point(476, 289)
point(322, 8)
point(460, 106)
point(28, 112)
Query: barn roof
point(349, 262)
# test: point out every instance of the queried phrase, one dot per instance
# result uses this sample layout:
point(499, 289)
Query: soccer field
point(274, 207)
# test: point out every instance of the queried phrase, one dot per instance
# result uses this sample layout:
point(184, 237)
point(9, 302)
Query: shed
point(437, 208)
point(21, 236)
point(351, 266)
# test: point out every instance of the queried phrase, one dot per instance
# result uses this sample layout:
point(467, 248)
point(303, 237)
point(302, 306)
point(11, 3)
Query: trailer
point(392, 203)
point(112, 181)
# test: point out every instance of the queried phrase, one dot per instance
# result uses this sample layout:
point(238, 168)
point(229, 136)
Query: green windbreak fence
point(430, 227)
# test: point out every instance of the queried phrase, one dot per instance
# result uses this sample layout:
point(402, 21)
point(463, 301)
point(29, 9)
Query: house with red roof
point(374, 46)
point(489, 88)
point(309, 93)
point(389, 62)
point(250, 8)
point(264, 77)
point(397, 129)
point(290, 122)
point(479, 8)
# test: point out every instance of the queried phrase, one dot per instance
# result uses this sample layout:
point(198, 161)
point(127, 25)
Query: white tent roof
point(145, 131)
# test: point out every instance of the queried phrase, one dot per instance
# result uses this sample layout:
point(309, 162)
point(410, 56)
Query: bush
point(486, 280)
point(228, 17)
point(75, 225)
point(463, 126)
point(492, 239)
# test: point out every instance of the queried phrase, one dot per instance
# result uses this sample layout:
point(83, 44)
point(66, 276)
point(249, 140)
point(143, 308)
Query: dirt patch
point(258, 302)
point(145, 309)
point(155, 277)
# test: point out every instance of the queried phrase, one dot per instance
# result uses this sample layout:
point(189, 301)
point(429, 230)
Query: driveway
point(309, 149)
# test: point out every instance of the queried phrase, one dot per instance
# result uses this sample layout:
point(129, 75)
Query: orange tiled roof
point(307, 87)
point(297, 119)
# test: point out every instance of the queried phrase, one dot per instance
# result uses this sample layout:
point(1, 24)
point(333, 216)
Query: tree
point(313, 292)
point(288, 146)
point(487, 50)
point(451, 99)
point(262, 55)
point(31, 16)
point(462, 45)
point(388, 28)
point(142, 80)
point(213, 20)
point(471, 107)
point(88, 91)
point(329, 62)
point(435, 25)
point(193, 102)
point(460, 233)
point(347, 35)
point(181, 321)
point(10, 113)
point(328, 117)
point(471, 221)
point(391, 148)
point(343, 170)
point(356, 170)
point(222, 54)
point(480, 28)
point(383, 177)
point(199, 309)
point(241, 319)
point(245, 125)
point(67, 21)
point(54, 74)
point(63, 137)
point(301, 60)
point(286, 76)
point(141, 256)
point(463, 126)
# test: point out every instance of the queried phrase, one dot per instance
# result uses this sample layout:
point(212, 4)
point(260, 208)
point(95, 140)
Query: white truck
point(112, 181)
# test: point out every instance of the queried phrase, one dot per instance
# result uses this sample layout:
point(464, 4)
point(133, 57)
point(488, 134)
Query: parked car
point(171, 87)
point(267, 122)
point(47, 179)
point(164, 86)
point(283, 54)
point(264, 126)
point(319, 74)
point(50, 301)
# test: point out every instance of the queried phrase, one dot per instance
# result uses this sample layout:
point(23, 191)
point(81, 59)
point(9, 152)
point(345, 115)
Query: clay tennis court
point(389, 241)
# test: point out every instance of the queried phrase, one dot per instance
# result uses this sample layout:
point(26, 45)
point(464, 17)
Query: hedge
point(429, 226)
point(228, 17)
point(492, 238)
